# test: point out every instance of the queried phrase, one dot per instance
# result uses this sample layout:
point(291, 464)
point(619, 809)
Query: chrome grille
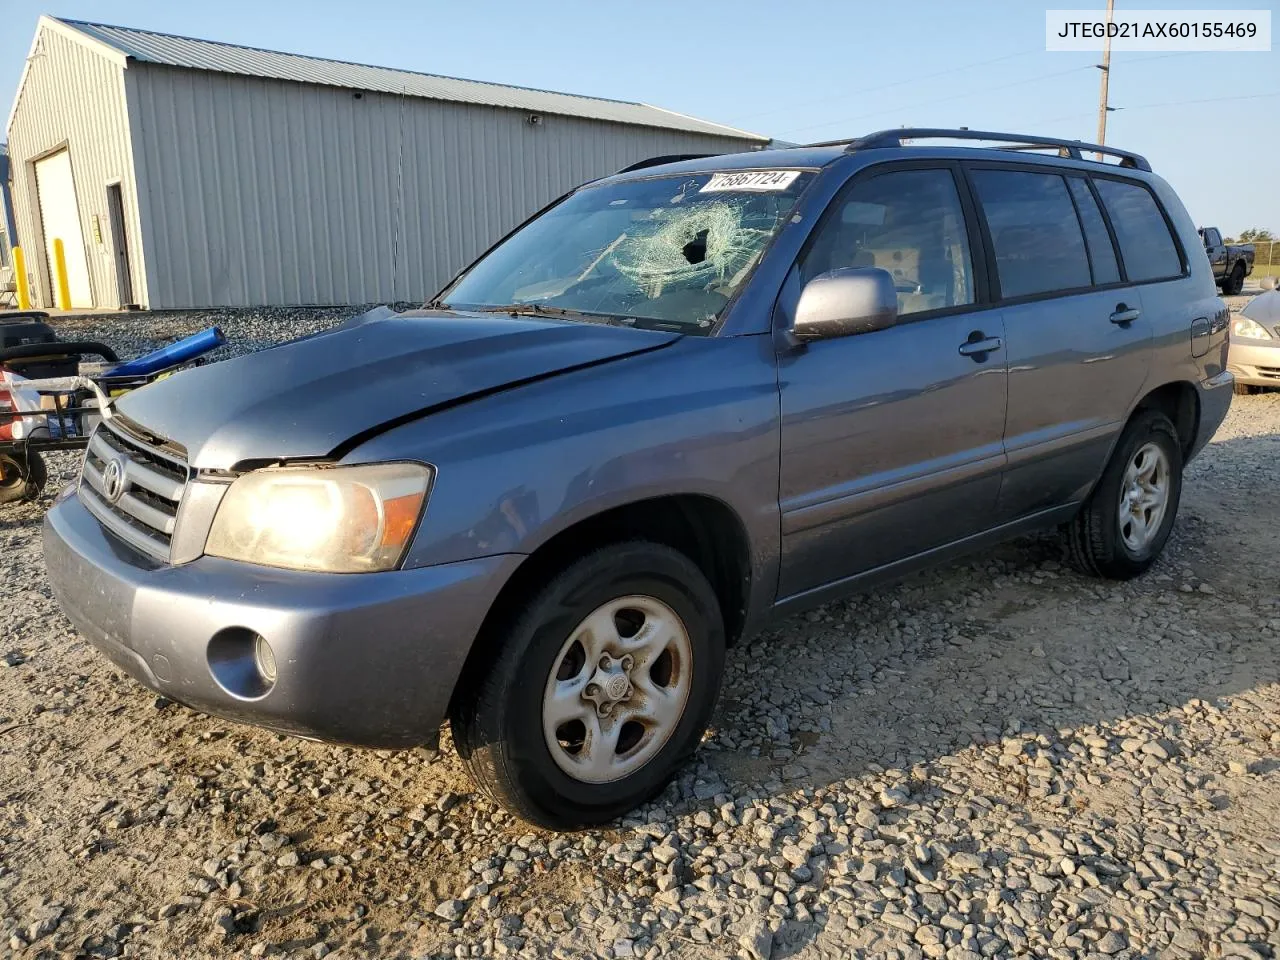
point(133, 487)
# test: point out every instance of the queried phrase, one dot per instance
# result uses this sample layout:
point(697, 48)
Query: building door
point(60, 218)
point(120, 245)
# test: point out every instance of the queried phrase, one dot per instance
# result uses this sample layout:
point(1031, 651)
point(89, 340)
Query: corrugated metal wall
point(269, 192)
point(74, 96)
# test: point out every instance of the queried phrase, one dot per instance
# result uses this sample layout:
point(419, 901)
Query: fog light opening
point(242, 663)
point(265, 659)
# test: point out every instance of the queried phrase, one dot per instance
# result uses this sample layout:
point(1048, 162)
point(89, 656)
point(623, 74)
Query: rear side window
point(1038, 244)
point(1146, 244)
point(1101, 254)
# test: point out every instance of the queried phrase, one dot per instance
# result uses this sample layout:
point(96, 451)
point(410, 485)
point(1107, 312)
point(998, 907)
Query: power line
point(1128, 63)
point(884, 86)
point(1162, 56)
point(1001, 86)
point(1184, 103)
point(928, 76)
point(1172, 103)
point(929, 103)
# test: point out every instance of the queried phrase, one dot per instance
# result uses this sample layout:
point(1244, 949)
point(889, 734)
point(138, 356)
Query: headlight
point(1244, 327)
point(333, 519)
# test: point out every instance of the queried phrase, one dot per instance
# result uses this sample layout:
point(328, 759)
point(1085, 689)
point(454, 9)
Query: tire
point(1236, 283)
point(21, 481)
point(1099, 541)
point(498, 718)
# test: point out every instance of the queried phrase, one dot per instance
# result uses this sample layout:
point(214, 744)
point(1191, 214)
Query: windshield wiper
point(527, 309)
point(542, 310)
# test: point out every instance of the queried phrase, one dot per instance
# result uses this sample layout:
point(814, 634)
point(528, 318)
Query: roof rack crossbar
point(1074, 149)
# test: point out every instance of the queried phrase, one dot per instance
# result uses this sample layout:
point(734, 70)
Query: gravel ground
point(996, 758)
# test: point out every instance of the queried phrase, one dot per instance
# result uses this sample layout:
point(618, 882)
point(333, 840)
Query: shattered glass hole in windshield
point(704, 241)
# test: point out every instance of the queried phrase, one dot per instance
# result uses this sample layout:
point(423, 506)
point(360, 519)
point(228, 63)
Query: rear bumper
point(365, 659)
point(1255, 362)
point(1215, 401)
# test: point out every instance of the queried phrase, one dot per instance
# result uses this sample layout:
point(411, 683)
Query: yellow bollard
point(20, 275)
point(60, 268)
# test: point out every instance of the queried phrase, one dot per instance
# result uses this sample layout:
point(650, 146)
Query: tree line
point(1252, 235)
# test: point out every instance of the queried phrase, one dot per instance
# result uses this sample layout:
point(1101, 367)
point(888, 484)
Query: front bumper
point(364, 659)
point(1255, 362)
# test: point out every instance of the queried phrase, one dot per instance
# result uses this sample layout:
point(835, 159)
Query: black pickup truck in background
point(1231, 262)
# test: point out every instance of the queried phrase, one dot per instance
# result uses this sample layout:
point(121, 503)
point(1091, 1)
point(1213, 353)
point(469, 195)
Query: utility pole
point(1105, 67)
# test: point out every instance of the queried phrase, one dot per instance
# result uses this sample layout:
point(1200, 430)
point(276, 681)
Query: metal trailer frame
point(20, 459)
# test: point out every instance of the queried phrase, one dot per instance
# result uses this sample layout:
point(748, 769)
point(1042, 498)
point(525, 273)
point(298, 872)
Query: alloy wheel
point(1144, 496)
point(617, 689)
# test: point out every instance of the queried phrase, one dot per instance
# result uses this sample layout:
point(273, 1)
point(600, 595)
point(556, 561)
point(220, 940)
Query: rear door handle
point(976, 348)
point(1125, 315)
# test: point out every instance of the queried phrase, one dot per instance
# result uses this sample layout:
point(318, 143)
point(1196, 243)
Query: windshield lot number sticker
point(759, 180)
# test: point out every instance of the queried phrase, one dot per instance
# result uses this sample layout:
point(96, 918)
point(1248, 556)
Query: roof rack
point(1069, 148)
point(659, 161)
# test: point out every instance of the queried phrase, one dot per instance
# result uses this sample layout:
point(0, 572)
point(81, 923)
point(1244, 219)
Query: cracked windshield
point(665, 252)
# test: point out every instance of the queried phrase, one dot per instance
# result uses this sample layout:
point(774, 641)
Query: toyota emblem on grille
point(113, 480)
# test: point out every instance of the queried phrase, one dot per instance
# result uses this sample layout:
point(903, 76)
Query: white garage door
point(61, 220)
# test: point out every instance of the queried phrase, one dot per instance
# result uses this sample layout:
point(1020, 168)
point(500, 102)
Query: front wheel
point(598, 691)
point(1127, 519)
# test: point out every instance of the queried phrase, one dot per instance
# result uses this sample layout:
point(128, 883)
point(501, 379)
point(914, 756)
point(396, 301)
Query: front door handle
point(978, 349)
point(1125, 315)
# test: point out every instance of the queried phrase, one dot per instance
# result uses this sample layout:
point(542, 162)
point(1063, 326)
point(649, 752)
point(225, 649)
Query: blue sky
point(800, 70)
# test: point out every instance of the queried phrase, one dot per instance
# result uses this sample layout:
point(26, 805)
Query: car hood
point(309, 398)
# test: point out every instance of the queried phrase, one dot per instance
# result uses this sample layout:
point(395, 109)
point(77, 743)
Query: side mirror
point(845, 302)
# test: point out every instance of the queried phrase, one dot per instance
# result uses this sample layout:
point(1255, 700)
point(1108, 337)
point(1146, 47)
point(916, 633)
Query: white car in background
point(1255, 341)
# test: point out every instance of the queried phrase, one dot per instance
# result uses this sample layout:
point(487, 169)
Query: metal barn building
point(183, 173)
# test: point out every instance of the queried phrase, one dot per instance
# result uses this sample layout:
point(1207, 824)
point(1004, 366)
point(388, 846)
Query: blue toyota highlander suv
point(677, 403)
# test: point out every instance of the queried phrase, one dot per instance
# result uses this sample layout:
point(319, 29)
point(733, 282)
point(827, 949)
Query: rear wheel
point(1127, 519)
point(21, 478)
point(598, 691)
point(1236, 283)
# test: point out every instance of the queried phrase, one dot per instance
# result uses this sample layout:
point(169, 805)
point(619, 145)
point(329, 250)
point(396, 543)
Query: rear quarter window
point(1146, 245)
